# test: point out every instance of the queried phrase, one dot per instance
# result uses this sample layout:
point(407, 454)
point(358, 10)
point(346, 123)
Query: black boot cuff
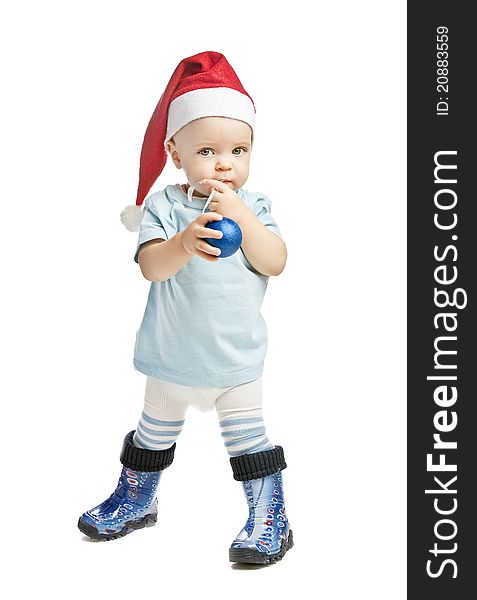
point(260, 464)
point(140, 459)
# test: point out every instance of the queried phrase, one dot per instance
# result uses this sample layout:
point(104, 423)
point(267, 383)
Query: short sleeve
point(262, 207)
point(151, 226)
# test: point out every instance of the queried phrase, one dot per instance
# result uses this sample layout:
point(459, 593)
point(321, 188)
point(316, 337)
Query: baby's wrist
point(180, 238)
point(243, 215)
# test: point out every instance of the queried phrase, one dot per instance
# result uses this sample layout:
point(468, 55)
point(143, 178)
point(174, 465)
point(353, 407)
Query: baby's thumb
point(211, 216)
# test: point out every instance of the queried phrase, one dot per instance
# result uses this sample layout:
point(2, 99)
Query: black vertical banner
point(442, 252)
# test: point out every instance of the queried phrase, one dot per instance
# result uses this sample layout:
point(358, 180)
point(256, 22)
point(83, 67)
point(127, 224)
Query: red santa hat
point(203, 85)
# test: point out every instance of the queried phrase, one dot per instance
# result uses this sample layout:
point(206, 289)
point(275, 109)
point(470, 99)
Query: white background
point(80, 81)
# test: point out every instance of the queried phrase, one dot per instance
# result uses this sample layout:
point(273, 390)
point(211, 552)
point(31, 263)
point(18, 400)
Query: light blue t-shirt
point(202, 327)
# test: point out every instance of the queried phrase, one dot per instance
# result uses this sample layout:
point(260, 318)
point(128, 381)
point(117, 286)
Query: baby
point(202, 341)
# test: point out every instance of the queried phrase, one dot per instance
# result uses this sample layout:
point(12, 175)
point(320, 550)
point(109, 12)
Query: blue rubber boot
point(133, 504)
point(266, 536)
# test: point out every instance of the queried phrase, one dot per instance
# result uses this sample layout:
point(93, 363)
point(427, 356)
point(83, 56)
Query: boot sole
point(255, 557)
point(93, 533)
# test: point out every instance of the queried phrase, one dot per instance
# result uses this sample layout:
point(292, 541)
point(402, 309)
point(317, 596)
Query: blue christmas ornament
point(232, 236)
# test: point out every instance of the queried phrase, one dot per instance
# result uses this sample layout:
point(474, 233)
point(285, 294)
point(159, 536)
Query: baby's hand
point(225, 201)
point(192, 237)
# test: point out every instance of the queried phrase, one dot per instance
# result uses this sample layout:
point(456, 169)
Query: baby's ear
point(171, 148)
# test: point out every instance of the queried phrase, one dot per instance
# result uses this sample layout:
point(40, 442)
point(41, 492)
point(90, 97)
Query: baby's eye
point(239, 151)
point(205, 151)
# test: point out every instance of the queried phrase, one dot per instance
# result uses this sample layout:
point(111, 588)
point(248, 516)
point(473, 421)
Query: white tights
point(239, 409)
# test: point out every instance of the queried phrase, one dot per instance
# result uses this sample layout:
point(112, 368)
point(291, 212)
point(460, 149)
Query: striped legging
point(239, 409)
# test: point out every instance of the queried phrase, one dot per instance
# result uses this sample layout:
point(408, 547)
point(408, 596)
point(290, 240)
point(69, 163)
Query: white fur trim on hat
point(209, 102)
point(131, 217)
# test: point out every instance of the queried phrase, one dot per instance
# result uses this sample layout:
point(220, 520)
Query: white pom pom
point(131, 217)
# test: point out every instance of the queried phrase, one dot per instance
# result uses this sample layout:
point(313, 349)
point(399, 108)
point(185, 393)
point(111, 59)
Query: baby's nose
point(223, 164)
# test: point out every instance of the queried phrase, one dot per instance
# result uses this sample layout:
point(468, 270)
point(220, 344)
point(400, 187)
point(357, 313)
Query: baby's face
point(213, 148)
